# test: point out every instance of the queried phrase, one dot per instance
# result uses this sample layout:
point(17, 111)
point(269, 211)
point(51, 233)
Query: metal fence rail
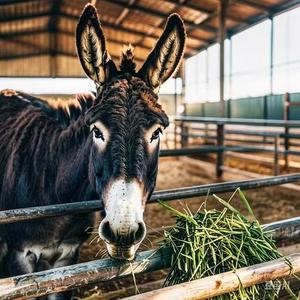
point(33, 213)
point(240, 121)
point(71, 277)
point(185, 123)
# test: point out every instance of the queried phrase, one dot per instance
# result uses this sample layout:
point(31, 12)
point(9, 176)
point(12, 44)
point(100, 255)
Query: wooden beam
point(110, 25)
point(156, 13)
point(255, 5)
point(212, 286)
point(211, 13)
point(11, 35)
point(64, 53)
point(9, 2)
point(23, 55)
point(28, 44)
point(124, 13)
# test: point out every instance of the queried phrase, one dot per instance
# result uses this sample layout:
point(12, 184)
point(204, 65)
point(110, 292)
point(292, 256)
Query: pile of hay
point(210, 242)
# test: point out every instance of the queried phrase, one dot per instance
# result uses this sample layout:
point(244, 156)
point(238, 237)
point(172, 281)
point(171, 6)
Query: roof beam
point(255, 5)
point(267, 14)
point(124, 13)
point(75, 18)
point(160, 24)
point(45, 53)
point(23, 55)
point(7, 2)
point(130, 30)
point(159, 14)
point(285, 6)
point(10, 35)
point(32, 46)
point(211, 13)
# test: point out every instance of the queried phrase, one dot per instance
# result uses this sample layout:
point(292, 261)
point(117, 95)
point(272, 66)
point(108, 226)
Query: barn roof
point(37, 36)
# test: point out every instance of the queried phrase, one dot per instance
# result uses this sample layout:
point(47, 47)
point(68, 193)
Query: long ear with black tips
point(166, 56)
point(91, 47)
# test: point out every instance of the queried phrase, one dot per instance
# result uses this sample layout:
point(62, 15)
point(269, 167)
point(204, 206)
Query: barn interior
point(234, 103)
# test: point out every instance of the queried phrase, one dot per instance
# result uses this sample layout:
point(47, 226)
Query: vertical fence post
point(175, 134)
point(265, 103)
point(287, 103)
point(184, 134)
point(220, 153)
point(206, 133)
point(276, 154)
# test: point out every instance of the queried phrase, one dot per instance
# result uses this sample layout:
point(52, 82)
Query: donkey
point(106, 146)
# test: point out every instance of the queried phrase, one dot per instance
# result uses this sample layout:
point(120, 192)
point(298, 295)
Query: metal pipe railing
point(183, 122)
point(33, 213)
point(239, 121)
point(74, 276)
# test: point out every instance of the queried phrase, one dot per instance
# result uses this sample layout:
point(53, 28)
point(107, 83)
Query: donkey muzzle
point(123, 228)
point(122, 244)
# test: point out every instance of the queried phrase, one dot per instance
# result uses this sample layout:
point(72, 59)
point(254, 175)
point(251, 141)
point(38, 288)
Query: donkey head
point(126, 122)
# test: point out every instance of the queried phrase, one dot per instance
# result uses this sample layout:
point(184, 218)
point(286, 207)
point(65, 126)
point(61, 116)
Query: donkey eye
point(156, 134)
point(97, 133)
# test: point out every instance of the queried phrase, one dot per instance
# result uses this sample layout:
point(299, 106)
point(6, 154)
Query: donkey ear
point(166, 56)
point(91, 47)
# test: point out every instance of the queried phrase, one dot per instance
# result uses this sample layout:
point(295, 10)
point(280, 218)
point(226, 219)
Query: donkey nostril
point(106, 233)
point(140, 233)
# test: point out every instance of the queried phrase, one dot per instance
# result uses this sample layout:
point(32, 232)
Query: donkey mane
point(65, 111)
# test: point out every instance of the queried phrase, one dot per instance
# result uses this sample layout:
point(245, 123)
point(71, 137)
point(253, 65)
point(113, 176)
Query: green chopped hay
point(210, 242)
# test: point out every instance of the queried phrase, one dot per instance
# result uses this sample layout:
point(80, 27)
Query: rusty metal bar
point(40, 212)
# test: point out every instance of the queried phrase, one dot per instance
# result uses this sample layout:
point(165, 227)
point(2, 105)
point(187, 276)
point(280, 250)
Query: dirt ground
point(269, 204)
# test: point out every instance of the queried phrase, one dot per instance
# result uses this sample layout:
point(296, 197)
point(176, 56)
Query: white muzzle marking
point(124, 209)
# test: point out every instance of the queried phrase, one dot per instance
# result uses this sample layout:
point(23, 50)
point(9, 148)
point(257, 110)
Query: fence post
point(265, 101)
point(220, 153)
point(287, 103)
point(276, 154)
point(175, 134)
point(184, 134)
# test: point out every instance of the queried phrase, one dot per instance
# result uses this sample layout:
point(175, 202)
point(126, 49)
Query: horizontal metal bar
point(71, 277)
point(239, 121)
point(202, 190)
point(33, 213)
point(216, 149)
point(247, 132)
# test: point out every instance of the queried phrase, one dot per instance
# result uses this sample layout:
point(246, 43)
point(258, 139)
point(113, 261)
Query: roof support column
point(271, 56)
point(221, 36)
